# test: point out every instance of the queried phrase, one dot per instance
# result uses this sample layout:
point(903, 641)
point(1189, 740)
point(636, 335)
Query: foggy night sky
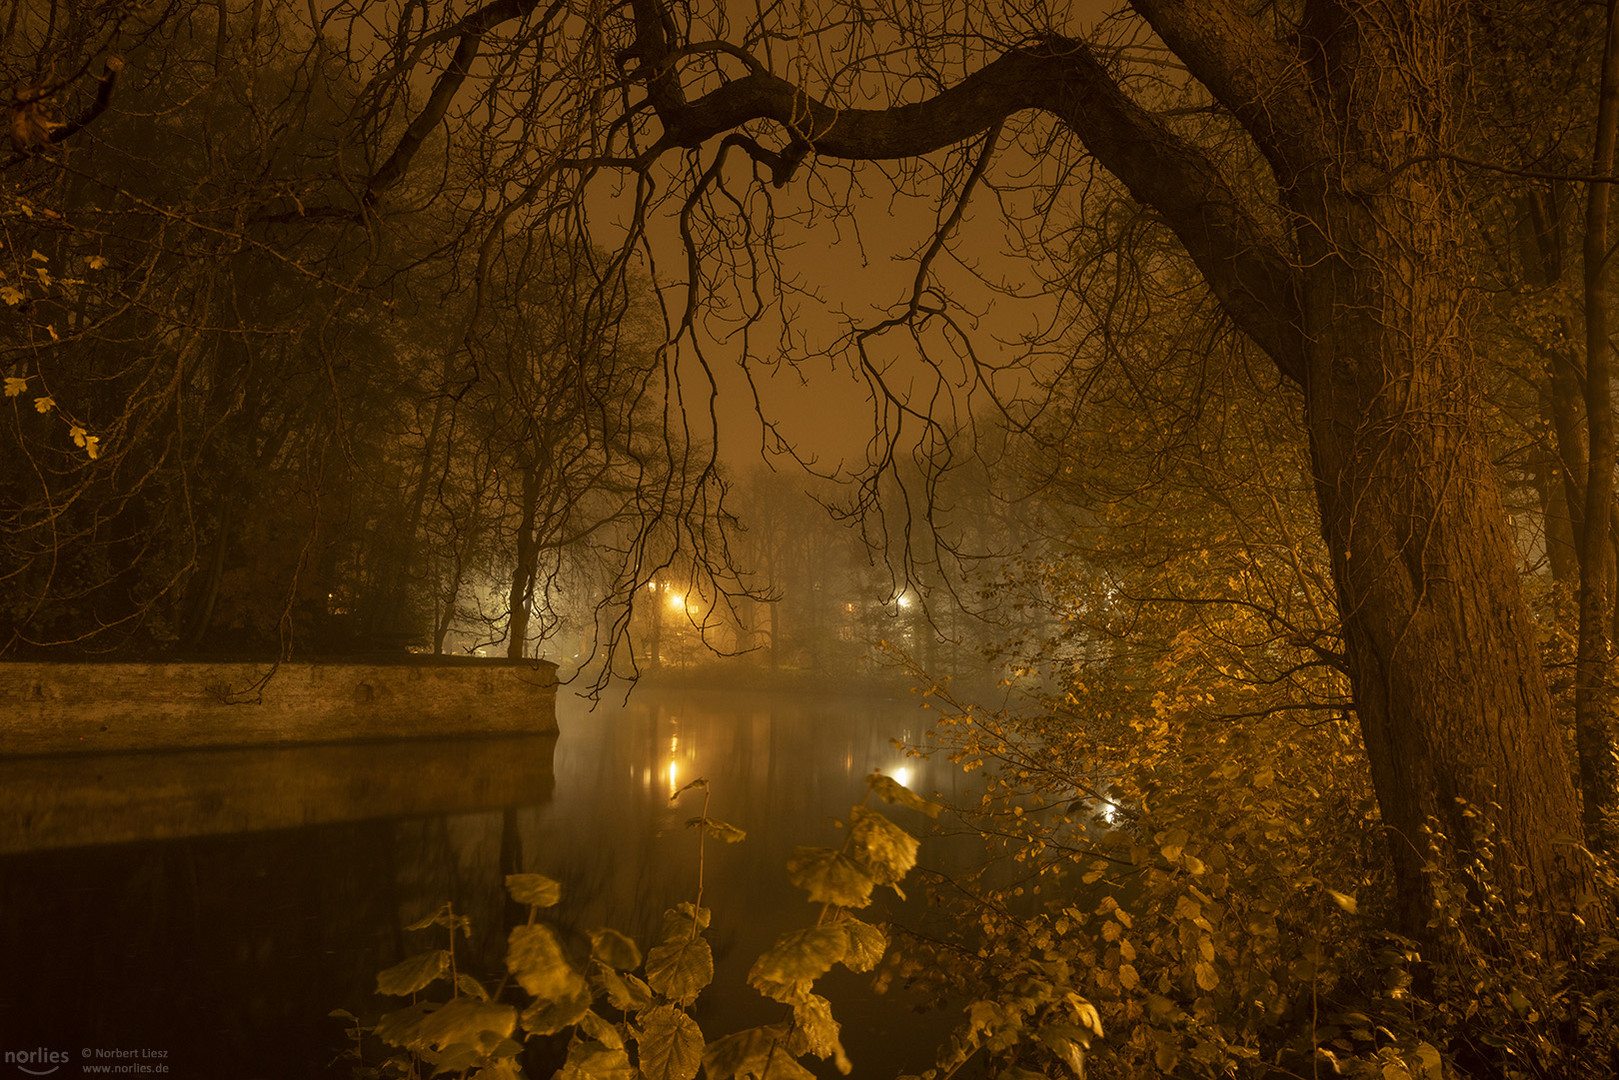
point(819, 404)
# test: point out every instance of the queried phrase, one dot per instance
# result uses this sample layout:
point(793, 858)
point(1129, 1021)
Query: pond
point(201, 913)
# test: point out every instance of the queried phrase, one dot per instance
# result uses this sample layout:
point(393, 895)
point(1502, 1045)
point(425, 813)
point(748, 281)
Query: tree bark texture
point(1447, 678)
point(1466, 760)
point(1594, 691)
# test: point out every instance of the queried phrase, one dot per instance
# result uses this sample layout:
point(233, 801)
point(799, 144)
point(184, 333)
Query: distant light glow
point(904, 601)
point(902, 776)
point(677, 601)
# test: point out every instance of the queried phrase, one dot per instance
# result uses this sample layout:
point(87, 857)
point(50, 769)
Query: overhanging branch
point(1242, 261)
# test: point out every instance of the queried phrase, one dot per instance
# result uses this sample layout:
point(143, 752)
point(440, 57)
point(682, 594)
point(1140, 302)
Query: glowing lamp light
point(902, 776)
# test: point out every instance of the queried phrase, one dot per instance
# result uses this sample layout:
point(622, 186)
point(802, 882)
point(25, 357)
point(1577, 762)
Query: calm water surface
point(202, 912)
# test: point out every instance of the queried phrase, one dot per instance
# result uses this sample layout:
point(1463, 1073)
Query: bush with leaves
point(626, 1016)
point(1212, 893)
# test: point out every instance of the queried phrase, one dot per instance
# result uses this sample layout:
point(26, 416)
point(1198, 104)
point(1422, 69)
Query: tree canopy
point(1341, 225)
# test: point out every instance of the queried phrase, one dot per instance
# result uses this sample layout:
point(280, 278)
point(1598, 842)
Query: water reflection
point(218, 904)
point(784, 770)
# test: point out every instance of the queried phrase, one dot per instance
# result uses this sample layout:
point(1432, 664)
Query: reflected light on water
point(674, 765)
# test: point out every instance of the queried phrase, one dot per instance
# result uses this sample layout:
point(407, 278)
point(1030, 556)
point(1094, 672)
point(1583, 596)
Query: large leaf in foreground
point(614, 949)
point(409, 976)
point(680, 969)
point(816, 1031)
point(892, 791)
point(535, 889)
point(533, 955)
point(867, 944)
point(745, 1052)
point(830, 877)
point(593, 1061)
point(671, 1044)
point(547, 1017)
point(800, 956)
point(888, 851)
point(463, 1020)
point(685, 919)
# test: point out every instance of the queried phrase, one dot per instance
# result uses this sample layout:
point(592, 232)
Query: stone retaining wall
point(52, 708)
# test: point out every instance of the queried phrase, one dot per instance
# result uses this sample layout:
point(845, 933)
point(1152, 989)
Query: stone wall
point(52, 708)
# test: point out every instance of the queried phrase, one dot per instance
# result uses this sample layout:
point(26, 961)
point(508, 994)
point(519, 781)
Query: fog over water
point(197, 924)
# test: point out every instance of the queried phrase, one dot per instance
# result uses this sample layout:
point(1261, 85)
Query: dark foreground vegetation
point(1272, 471)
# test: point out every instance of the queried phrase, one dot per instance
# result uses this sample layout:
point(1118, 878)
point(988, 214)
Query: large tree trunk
point(1468, 766)
point(1594, 691)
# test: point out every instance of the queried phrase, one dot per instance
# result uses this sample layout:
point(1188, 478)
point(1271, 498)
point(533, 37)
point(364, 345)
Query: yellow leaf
point(44, 404)
point(1085, 1013)
point(533, 889)
point(11, 295)
point(15, 386)
point(97, 262)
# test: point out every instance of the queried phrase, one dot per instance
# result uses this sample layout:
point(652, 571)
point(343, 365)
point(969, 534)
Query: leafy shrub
point(625, 1014)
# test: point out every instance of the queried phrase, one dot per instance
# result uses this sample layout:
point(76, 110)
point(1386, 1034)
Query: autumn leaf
point(592, 1061)
point(866, 945)
point(680, 969)
point(464, 1020)
point(614, 949)
point(801, 956)
point(888, 851)
point(409, 976)
point(671, 1044)
point(535, 957)
point(533, 889)
point(720, 830)
point(892, 791)
point(830, 877)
